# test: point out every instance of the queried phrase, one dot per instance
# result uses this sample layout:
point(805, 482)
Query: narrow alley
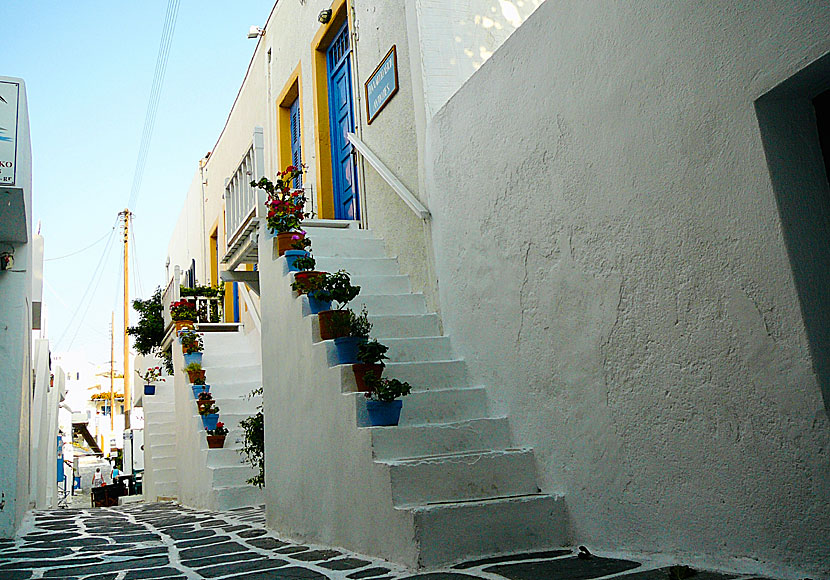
point(168, 541)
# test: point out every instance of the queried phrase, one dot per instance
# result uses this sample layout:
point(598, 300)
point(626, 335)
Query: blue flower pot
point(195, 357)
point(291, 257)
point(384, 414)
point(317, 306)
point(149, 389)
point(347, 349)
point(198, 389)
point(209, 421)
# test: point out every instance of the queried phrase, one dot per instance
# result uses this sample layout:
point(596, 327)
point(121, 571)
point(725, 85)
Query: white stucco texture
point(611, 265)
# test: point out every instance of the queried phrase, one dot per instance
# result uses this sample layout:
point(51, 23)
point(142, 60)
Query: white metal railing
point(253, 306)
point(171, 295)
point(242, 201)
point(390, 178)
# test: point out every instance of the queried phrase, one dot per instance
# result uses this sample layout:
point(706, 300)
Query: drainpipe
point(351, 14)
point(205, 265)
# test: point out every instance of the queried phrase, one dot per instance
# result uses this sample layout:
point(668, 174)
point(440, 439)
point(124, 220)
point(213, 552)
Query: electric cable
point(99, 240)
point(155, 96)
point(91, 281)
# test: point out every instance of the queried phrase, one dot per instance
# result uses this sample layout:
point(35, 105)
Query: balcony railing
point(242, 201)
point(170, 295)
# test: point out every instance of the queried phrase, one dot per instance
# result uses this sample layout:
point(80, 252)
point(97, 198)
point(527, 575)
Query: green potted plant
point(298, 258)
point(192, 346)
point(370, 356)
point(356, 331)
point(216, 436)
point(336, 287)
point(183, 313)
point(204, 398)
point(285, 206)
point(383, 402)
point(150, 376)
point(210, 415)
point(194, 371)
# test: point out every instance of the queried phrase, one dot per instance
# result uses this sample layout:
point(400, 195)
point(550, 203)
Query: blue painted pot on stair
point(194, 357)
point(347, 348)
point(209, 421)
point(317, 306)
point(198, 389)
point(149, 389)
point(382, 414)
point(291, 257)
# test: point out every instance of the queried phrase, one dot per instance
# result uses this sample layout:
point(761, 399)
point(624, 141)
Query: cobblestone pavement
point(165, 540)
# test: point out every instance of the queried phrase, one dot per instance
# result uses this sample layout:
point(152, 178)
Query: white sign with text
point(9, 98)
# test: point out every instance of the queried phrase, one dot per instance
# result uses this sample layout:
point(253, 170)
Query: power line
point(82, 249)
point(155, 96)
point(97, 272)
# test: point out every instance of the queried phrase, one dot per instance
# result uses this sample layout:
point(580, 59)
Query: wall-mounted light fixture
point(6, 261)
point(324, 16)
point(255, 32)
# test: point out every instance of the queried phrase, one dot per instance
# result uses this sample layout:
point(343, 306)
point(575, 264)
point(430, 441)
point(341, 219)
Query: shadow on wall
point(787, 116)
point(477, 28)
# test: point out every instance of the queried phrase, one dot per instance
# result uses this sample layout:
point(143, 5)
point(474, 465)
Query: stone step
point(360, 266)
point(419, 349)
point(430, 440)
point(227, 456)
point(426, 375)
point(165, 490)
point(221, 358)
point(390, 304)
point(238, 496)
point(317, 228)
point(224, 476)
point(232, 375)
point(167, 475)
point(237, 405)
point(404, 326)
point(487, 528)
point(382, 284)
point(323, 246)
point(443, 406)
point(463, 477)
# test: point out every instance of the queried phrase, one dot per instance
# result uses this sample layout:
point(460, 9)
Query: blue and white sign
point(382, 84)
point(9, 97)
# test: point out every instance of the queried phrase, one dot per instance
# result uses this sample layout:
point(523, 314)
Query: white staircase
point(452, 465)
point(233, 370)
point(160, 481)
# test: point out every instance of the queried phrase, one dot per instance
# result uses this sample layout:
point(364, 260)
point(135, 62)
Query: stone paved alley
point(165, 540)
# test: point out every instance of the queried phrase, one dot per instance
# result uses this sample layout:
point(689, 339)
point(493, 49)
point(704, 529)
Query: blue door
point(341, 121)
point(296, 151)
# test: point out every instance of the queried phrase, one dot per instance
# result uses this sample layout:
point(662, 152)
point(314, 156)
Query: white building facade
point(623, 235)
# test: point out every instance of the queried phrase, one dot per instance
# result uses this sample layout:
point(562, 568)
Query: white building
point(619, 214)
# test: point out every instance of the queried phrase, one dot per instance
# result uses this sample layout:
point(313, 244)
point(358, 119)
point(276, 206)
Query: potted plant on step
point(216, 436)
point(371, 356)
point(151, 375)
point(199, 387)
point(355, 332)
point(204, 399)
point(195, 371)
point(383, 402)
point(285, 207)
point(336, 287)
point(183, 313)
point(299, 256)
point(192, 346)
point(210, 415)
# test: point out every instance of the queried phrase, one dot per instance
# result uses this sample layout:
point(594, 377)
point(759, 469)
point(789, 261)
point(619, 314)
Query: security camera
point(324, 16)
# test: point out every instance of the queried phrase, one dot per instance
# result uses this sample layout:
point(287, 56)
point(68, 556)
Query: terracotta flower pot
point(333, 324)
point(306, 275)
point(183, 325)
point(360, 370)
point(195, 375)
point(285, 240)
point(202, 404)
point(216, 441)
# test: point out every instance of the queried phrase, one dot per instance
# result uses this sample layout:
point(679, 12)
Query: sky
point(88, 67)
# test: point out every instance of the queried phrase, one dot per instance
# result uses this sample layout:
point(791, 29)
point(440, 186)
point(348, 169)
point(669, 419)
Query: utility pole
point(128, 400)
point(112, 373)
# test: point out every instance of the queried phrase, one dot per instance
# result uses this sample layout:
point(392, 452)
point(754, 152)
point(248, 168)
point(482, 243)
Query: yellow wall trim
point(292, 91)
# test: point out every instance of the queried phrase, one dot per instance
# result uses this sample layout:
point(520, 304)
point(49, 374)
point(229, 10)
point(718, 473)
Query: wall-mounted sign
point(382, 84)
point(9, 97)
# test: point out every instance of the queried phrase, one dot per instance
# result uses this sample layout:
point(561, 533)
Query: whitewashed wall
point(611, 265)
